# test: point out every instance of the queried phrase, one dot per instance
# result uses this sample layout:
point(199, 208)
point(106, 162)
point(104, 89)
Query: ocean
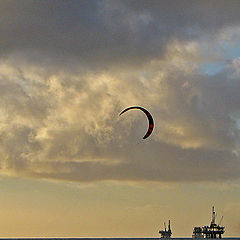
point(77, 238)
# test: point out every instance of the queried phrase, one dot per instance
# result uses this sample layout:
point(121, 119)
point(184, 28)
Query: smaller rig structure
point(166, 233)
point(212, 231)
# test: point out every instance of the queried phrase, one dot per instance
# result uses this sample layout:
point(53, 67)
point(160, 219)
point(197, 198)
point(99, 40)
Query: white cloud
point(63, 84)
point(66, 125)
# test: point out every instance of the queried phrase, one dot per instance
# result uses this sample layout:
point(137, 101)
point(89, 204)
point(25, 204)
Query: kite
point(149, 116)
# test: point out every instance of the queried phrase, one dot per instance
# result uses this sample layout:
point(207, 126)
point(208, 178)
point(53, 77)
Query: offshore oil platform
point(212, 231)
point(166, 233)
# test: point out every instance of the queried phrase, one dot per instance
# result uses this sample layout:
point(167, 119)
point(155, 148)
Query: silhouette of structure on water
point(166, 233)
point(212, 231)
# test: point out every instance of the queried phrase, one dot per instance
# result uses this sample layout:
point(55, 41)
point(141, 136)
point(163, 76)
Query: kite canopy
point(149, 116)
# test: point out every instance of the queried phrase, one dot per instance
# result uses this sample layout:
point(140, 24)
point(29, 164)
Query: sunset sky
point(70, 166)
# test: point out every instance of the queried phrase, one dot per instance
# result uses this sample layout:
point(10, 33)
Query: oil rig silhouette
point(212, 231)
point(166, 233)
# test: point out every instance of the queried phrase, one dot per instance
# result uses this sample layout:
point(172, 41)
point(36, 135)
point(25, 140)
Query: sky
point(70, 166)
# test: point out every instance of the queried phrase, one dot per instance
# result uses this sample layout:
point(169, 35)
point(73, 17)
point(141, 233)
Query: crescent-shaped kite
point(149, 116)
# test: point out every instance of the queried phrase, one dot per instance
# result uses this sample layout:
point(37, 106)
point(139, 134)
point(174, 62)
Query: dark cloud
point(103, 32)
point(68, 68)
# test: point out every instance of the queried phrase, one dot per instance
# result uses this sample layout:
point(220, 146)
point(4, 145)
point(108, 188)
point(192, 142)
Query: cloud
point(97, 34)
point(66, 126)
point(66, 74)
